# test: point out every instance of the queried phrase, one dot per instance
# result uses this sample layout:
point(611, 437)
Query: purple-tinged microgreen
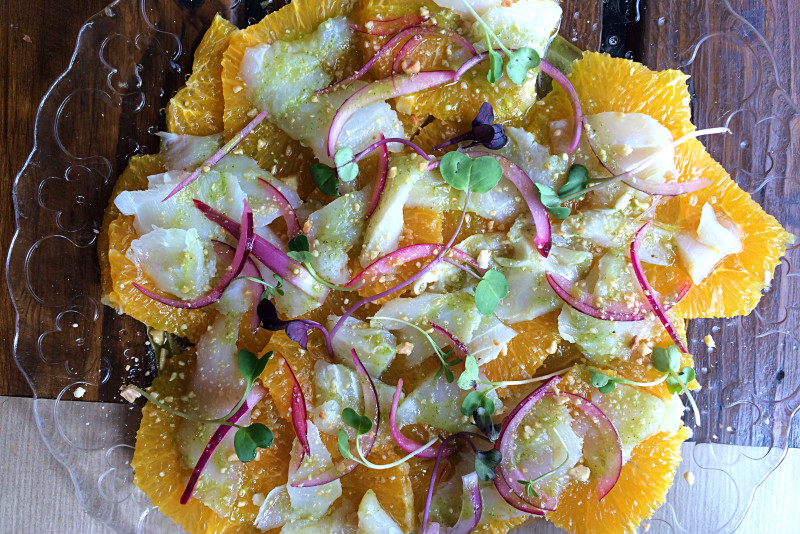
point(484, 132)
point(445, 361)
point(486, 462)
point(325, 179)
point(492, 288)
point(296, 329)
point(248, 439)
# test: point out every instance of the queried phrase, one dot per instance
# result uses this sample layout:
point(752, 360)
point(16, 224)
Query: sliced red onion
point(612, 311)
point(366, 442)
point(227, 253)
point(391, 26)
point(574, 99)
point(405, 255)
point(649, 293)
point(407, 444)
point(381, 172)
point(271, 256)
point(384, 141)
point(391, 43)
point(464, 526)
point(285, 208)
point(243, 249)
point(600, 440)
point(404, 51)
point(221, 153)
point(468, 64)
point(255, 395)
point(419, 274)
point(299, 419)
point(459, 348)
point(523, 183)
point(391, 87)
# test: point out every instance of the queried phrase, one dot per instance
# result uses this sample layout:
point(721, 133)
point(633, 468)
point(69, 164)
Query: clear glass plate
point(133, 56)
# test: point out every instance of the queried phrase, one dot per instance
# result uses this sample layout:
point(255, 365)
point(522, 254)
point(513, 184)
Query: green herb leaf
point(469, 377)
point(495, 66)
point(299, 248)
point(448, 375)
point(598, 379)
point(460, 171)
point(666, 360)
point(251, 366)
point(486, 172)
point(552, 202)
point(353, 419)
point(346, 164)
point(249, 439)
point(577, 179)
point(529, 491)
point(608, 388)
point(472, 402)
point(492, 288)
point(686, 374)
point(520, 62)
point(674, 385)
point(486, 462)
point(344, 445)
point(325, 179)
point(439, 373)
point(483, 420)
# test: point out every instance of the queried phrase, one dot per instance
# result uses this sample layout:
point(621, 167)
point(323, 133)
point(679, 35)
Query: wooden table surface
point(37, 39)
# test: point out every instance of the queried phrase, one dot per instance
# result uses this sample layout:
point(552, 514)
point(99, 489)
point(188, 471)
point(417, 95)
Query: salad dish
point(423, 266)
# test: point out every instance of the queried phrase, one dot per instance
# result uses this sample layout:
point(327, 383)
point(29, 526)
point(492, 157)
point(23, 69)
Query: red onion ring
point(384, 141)
point(299, 419)
point(649, 293)
point(221, 153)
point(459, 348)
point(366, 442)
point(390, 26)
point(524, 184)
point(391, 87)
point(381, 172)
point(613, 311)
point(464, 526)
point(285, 208)
point(255, 395)
point(271, 256)
point(408, 254)
point(574, 100)
point(408, 47)
point(227, 253)
point(407, 444)
point(243, 249)
point(391, 43)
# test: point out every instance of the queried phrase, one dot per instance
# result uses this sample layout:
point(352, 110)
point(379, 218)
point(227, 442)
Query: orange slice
point(640, 491)
point(734, 288)
point(197, 108)
point(120, 272)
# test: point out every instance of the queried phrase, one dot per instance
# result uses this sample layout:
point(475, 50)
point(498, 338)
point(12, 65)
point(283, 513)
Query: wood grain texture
point(36, 43)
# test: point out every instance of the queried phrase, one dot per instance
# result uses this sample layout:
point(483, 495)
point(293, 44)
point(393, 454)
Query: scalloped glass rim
point(114, 83)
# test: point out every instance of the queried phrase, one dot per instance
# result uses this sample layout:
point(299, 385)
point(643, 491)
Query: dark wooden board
point(36, 42)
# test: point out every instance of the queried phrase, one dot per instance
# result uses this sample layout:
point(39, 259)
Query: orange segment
point(269, 145)
point(119, 232)
point(161, 473)
point(535, 341)
point(421, 225)
point(197, 108)
point(391, 486)
point(640, 491)
point(734, 288)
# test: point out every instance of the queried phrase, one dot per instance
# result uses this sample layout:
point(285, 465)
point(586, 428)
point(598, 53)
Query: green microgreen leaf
point(353, 419)
point(666, 360)
point(299, 249)
point(577, 178)
point(552, 201)
point(462, 172)
point(486, 462)
point(469, 377)
point(471, 402)
point(686, 374)
point(520, 62)
point(343, 444)
point(251, 366)
point(598, 379)
point(529, 491)
point(346, 165)
point(495, 62)
point(249, 439)
point(608, 388)
point(492, 288)
point(448, 375)
point(325, 179)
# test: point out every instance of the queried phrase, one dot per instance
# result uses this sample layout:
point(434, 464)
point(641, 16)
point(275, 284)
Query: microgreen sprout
point(484, 131)
point(346, 166)
point(325, 179)
point(296, 329)
point(575, 187)
point(667, 361)
point(444, 356)
point(269, 290)
point(300, 251)
point(248, 439)
point(362, 425)
point(519, 61)
point(486, 462)
point(492, 288)
point(478, 175)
